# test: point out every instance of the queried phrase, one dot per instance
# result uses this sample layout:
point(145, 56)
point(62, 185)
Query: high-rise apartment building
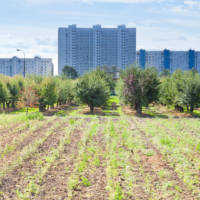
point(87, 48)
point(13, 66)
point(171, 60)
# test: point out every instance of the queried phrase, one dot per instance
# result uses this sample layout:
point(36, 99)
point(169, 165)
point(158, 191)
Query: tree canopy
point(181, 90)
point(92, 90)
point(165, 72)
point(70, 72)
point(138, 87)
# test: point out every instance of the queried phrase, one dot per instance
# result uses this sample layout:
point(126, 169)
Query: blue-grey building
point(13, 66)
point(87, 48)
point(171, 60)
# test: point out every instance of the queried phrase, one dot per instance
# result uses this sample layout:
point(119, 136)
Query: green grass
point(61, 113)
point(9, 119)
point(113, 99)
point(75, 112)
point(23, 110)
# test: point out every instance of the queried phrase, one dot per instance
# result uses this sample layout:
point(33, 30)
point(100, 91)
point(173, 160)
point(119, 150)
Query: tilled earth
point(99, 158)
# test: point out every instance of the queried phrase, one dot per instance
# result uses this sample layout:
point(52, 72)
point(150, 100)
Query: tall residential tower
point(86, 48)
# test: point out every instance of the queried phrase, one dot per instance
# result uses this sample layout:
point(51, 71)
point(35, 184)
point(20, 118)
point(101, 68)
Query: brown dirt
point(163, 109)
point(14, 127)
point(9, 158)
point(11, 134)
point(130, 112)
point(66, 107)
point(8, 110)
point(158, 162)
point(56, 178)
point(100, 111)
point(54, 184)
point(17, 178)
point(96, 111)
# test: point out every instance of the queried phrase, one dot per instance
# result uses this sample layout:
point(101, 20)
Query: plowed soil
point(123, 170)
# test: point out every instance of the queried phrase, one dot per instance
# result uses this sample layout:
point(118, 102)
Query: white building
point(87, 48)
point(13, 66)
point(171, 60)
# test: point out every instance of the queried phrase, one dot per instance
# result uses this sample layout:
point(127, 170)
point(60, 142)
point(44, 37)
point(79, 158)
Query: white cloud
point(187, 23)
point(170, 38)
point(131, 25)
point(191, 4)
point(6, 36)
point(178, 9)
point(46, 41)
point(16, 44)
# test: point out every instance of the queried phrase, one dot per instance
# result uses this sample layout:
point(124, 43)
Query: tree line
point(136, 87)
point(33, 90)
point(93, 89)
point(139, 87)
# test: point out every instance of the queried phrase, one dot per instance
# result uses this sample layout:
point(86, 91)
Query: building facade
point(86, 48)
point(171, 60)
point(13, 66)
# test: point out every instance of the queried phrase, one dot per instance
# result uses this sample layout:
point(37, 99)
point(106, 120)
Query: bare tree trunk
point(182, 109)
point(13, 104)
point(27, 111)
point(191, 109)
point(8, 105)
point(135, 106)
point(4, 105)
point(139, 109)
point(40, 108)
point(91, 109)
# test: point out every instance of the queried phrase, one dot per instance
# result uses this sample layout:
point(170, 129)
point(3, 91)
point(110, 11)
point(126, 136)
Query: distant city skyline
point(32, 25)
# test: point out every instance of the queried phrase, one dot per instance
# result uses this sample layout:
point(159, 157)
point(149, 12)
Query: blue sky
point(32, 25)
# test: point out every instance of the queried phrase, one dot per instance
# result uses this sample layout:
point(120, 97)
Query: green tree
point(106, 68)
point(65, 90)
point(181, 90)
point(194, 71)
point(92, 90)
point(165, 72)
point(28, 98)
point(70, 72)
point(190, 90)
point(14, 86)
point(47, 92)
point(140, 87)
point(114, 68)
point(4, 94)
point(103, 74)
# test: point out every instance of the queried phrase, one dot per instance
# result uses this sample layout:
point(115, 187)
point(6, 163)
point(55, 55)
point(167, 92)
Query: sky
point(32, 25)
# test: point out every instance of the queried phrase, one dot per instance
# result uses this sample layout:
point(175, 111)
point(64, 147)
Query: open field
point(111, 155)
